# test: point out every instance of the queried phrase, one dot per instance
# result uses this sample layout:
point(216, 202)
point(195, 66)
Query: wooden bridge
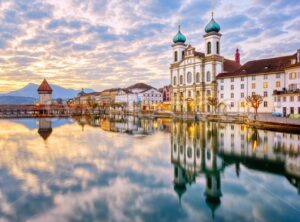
point(29, 111)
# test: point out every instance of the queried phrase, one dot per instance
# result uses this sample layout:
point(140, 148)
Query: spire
point(237, 56)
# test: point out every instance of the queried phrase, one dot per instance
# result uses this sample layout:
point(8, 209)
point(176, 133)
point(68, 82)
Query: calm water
point(126, 169)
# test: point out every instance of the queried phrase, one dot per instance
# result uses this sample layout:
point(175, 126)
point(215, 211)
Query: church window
point(189, 77)
point(175, 56)
point(265, 104)
point(181, 79)
point(208, 76)
point(208, 47)
point(189, 152)
point(189, 93)
point(197, 77)
point(174, 80)
point(218, 48)
point(182, 54)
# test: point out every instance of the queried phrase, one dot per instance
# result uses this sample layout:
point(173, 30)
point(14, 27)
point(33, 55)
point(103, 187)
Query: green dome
point(179, 37)
point(212, 26)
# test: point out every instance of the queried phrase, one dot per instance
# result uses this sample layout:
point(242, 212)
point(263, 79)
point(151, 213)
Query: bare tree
point(213, 101)
point(254, 101)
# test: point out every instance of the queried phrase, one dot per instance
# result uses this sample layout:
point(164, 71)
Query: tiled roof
point(139, 86)
point(260, 66)
point(45, 87)
point(230, 65)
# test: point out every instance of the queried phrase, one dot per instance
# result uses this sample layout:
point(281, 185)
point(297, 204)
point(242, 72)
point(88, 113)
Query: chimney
point(237, 56)
point(298, 55)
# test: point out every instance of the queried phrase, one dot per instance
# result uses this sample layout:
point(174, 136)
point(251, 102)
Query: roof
point(45, 87)
point(140, 86)
point(230, 65)
point(254, 67)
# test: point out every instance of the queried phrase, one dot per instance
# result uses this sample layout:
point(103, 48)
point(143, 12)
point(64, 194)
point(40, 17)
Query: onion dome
point(81, 93)
point(44, 88)
point(212, 26)
point(179, 37)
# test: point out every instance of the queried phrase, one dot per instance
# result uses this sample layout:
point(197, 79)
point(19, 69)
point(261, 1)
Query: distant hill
point(16, 100)
point(30, 90)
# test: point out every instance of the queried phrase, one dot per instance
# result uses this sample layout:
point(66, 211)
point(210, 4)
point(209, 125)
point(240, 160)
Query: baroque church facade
point(193, 74)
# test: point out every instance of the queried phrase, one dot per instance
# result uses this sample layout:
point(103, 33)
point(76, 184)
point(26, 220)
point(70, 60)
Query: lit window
point(265, 85)
point(253, 85)
point(293, 75)
point(277, 84)
point(242, 104)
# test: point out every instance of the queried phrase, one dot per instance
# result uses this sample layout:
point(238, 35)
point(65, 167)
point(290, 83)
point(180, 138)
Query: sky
point(101, 44)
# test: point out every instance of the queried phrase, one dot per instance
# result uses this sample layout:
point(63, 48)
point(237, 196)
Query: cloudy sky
point(108, 43)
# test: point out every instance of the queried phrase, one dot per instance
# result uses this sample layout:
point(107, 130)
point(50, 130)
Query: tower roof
point(179, 37)
point(45, 87)
point(212, 26)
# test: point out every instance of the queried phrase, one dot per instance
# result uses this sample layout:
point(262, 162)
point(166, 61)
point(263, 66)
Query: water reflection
point(131, 169)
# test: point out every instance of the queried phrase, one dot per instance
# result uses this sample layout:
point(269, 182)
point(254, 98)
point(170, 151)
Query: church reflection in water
point(207, 148)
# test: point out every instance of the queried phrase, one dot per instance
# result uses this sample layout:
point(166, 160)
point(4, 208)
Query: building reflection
point(45, 127)
point(208, 148)
point(127, 124)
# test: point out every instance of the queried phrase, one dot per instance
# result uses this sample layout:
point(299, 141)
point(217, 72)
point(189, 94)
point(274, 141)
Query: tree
point(254, 101)
point(213, 101)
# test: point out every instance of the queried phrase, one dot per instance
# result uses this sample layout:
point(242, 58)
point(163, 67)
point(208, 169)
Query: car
point(277, 114)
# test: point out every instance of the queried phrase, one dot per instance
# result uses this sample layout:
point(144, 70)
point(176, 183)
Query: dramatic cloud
point(102, 44)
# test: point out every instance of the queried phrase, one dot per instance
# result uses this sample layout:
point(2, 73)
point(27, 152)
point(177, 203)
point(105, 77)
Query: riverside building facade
point(196, 77)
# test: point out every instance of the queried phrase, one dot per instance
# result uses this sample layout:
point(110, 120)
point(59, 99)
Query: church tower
point(178, 46)
point(212, 37)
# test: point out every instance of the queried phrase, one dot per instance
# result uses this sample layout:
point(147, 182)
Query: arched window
point(175, 56)
point(182, 54)
point(181, 79)
point(197, 77)
point(189, 152)
point(174, 80)
point(208, 47)
point(208, 76)
point(218, 48)
point(189, 77)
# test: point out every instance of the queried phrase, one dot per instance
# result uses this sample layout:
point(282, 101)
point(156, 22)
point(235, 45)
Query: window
point(208, 76)
point(175, 56)
point(182, 54)
point(253, 77)
point(265, 104)
point(222, 95)
point(293, 75)
point(284, 99)
point(189, 93)
point(208, 47)
point(208, 92)
point(298, 98)
point(253, 85)
point(292, 98)
point(277, 84)
point(253, 93)
point(277, 76)
point(174, 80)
point(181, 79)
point(242, 95)
point(292, 87)
point(197, 77)
point(232, 95)
point(222, 87)
point(232, 87)
point(292, 110)
point(265, 85)
point(198, 93)
point(232, 104)
point(298, 110)
point(242, 79)
point(189, 77)
point(242, 86)
point(265, 77)
point(231, 79)
point(265, 94)
point(278, 99)
point(218, 48)
point(175, 94)
point(222, 80)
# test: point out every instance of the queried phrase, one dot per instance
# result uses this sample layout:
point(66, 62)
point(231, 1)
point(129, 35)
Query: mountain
point(16, 100)
point(30, 90)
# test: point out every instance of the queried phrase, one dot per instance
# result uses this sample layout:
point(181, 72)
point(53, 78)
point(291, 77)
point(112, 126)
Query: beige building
point(193, 74)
